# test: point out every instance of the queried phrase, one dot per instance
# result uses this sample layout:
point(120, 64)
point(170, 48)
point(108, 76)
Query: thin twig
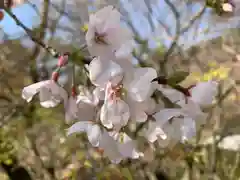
point(176, 37)
point(30, 33)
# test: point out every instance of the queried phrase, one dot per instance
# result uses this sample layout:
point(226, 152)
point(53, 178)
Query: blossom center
point(100, 38)
point(114, 91)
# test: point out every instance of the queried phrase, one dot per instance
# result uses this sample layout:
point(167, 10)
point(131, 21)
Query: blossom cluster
point(122, 95)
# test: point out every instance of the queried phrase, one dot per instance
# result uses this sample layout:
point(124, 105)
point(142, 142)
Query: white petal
point(188, 128)
point(166, 114)
point(126, 64)
point(79, 127)
point(108, 13)
point(128, 150)
point(104, 117)
point(173, 134)
point(86, 108)
point(192, 109)
point(52, 94)
point(115, 113)
point(204, 93)
point(110, 147)
point(149, 105)
point(71, 109)
point(172, 94)
point(29, 91)
point(94, 135)
point(141, 88)
point(121, 113)
point(101, 72)
point(154, 131)
point(99, 93)
point(136, 110)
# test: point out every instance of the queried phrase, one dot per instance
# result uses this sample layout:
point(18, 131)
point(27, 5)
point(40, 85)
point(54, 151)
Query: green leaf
point(126, 173)
point(177, 77)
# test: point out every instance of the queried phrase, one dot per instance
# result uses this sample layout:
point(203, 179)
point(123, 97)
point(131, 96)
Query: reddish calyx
point(74, 91)
point(1, 15)
point(55, 76)
point(187, 90)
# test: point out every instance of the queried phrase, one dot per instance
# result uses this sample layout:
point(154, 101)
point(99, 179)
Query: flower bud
point(74, 91)
point(63, 60)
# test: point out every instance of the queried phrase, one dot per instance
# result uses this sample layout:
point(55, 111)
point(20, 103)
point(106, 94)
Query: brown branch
point(176, 37)
point(30, 33)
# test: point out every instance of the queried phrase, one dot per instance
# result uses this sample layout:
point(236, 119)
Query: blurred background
point(189, 35)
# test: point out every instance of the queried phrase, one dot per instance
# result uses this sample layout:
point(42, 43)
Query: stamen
point(100, 38)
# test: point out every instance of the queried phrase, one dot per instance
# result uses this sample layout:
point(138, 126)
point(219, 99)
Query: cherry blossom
point(105, 34)
point(114, 145)
point(50, 93)
point(180, 121)
point(114, 112)
point(121, 95)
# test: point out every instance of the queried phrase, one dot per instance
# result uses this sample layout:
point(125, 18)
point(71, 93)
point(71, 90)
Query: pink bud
point(55, 76)
point(63, 60)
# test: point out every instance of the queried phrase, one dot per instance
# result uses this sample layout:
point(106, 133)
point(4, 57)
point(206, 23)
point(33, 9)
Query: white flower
point(114, 112)
point(92, 130)
point(50, 93)
point(179, 122)
point(105, 34)
point(137, 102)
point(115, 146)
point(202, 94)
point(171, 132)
point(154, 131)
